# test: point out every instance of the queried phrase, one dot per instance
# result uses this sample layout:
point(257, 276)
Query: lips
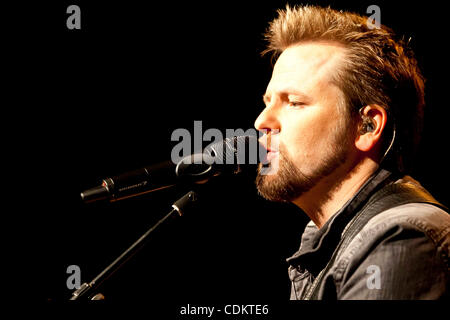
point(271, 148)
point(271, 155)
point(266, 142)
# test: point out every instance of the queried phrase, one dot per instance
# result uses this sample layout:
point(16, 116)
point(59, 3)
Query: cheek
point(308, 138)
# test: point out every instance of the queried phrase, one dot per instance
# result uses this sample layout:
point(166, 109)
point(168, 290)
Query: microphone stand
point(86, 289)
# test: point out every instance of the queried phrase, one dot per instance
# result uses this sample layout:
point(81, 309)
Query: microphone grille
point(235, 150)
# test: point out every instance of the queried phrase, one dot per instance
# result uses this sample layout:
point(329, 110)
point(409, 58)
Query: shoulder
point(422, 219)
point(403, 226)
point(426, 219)
point(409, 244)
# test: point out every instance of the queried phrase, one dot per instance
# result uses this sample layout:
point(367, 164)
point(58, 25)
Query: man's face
point(303, 116)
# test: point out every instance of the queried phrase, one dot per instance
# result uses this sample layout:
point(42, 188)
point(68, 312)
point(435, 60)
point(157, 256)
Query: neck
point(333, 191)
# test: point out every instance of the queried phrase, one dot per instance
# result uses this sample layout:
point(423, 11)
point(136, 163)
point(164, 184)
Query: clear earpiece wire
point(391, 144)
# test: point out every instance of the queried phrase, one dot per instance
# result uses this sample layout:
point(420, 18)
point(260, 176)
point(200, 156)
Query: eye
point(296, 104)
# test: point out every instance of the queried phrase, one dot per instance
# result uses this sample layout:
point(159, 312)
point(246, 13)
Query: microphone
point(228, 156)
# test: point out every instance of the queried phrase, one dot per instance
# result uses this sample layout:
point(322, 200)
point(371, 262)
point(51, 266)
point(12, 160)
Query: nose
point(268, 119)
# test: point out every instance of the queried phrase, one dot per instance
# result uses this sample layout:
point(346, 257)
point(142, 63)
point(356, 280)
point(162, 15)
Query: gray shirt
point(401, 253)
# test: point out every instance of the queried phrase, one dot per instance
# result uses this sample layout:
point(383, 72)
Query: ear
point(376, 116)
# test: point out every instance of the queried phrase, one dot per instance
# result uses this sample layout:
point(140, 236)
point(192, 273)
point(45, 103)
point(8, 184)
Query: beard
point(289, 182)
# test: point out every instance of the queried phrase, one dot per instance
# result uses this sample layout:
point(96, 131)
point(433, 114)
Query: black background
point(95, 102)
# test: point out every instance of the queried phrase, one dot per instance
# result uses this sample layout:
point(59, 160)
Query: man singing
point(343, 114)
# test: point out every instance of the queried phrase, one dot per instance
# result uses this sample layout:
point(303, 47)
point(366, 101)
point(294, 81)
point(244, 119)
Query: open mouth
point(271, 154)
point(271, 149)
